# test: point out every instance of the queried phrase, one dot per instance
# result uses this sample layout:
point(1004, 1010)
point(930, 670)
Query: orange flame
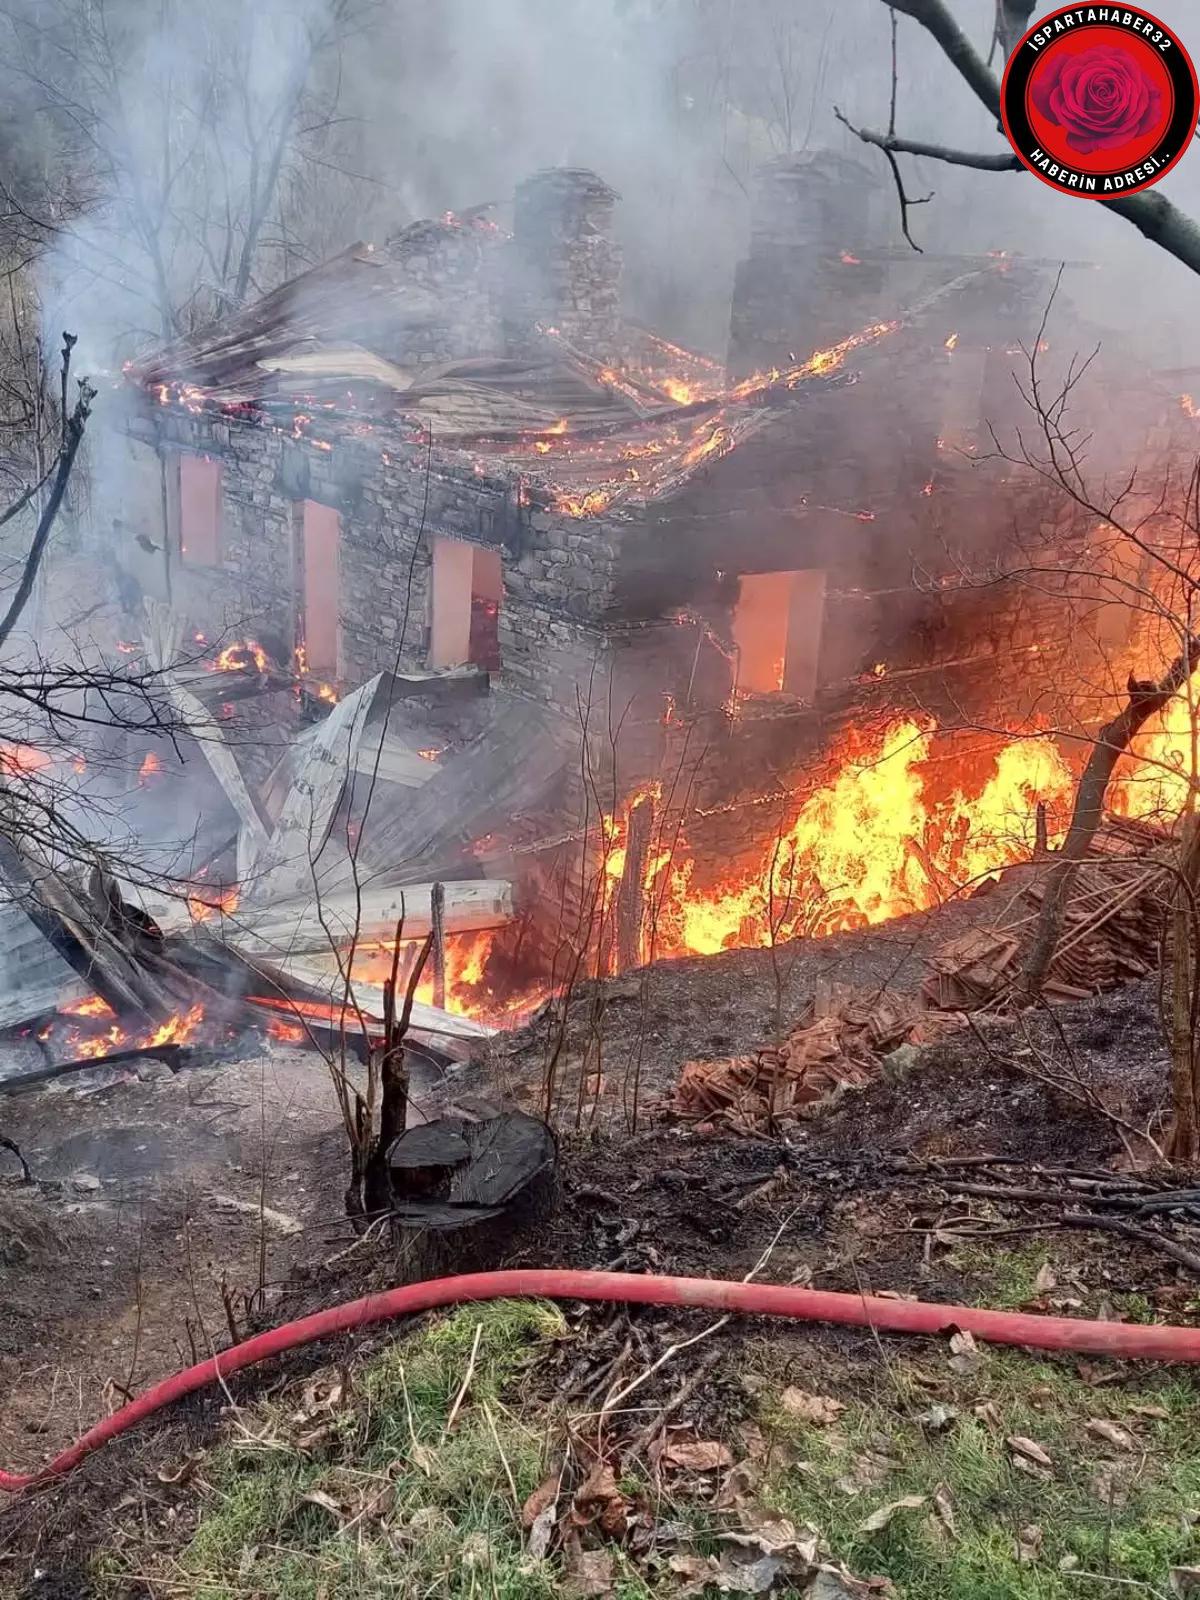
point(206, 903)
point(150, 765)
point(286, 1032)
point(91, 1006)
point(682, 393)
point(21, 760)
point(879, 839)
point(179, 1028)
point(240, 658)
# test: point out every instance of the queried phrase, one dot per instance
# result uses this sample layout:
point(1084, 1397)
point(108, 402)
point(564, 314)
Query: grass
point(1108, 1518)
point(388, 1502)
point(1007, 1278)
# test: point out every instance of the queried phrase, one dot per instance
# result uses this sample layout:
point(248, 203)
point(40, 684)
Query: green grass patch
point(1121, 1515)
point(1007, 1278)
point(386, 1502)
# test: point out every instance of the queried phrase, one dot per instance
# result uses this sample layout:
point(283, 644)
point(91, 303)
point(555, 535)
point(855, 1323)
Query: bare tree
point(179, 140)
point(51, 710)
point(1150, 212)
point(1144, 556)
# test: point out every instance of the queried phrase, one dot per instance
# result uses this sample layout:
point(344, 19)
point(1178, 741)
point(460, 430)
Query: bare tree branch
point(72, 438)
point(1150, 212)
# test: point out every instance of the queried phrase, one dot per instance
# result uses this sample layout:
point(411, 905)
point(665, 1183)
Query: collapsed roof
point(342, 350)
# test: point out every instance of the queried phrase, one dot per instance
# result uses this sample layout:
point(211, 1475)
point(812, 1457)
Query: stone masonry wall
point(557, 571)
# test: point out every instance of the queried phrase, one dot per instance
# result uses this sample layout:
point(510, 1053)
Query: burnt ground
point(629, 1037)
point(110, 1285)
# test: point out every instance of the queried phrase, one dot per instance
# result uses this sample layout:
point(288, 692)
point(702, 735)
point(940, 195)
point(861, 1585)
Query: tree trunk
point(1112, 742)
point(1184, 1142)
point(437, 925)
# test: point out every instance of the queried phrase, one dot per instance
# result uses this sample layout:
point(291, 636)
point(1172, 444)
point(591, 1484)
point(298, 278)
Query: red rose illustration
point(1100, 97)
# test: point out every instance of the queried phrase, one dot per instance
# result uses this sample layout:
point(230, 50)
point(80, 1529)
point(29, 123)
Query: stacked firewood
point(1112, 929)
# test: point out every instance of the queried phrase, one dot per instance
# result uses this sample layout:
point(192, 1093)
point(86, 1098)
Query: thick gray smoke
point(162, 121)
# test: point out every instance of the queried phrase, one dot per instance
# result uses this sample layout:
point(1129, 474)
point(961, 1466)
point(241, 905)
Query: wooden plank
point(161, 639)
point(331, 987)
point(299, 927)
point(290, 865)
point(37, 979)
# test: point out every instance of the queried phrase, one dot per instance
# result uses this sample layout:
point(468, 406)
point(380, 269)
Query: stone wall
point(557, 571)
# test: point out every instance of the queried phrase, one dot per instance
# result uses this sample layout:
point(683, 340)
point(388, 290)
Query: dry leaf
point(894, 1294)
point(599, 1500)
point(763, 1530)
point(1028, 1450)
point(878, 1520)
point(589, 1574)
point(736, 1485)
point(697, 1569)
point(868, 1472)
point(544, 1495)
point(965, 1355)
point(988, 1412)
point(318, 1497)
point(1111, 1432)
point(835, 1583)
point(698, 1455)
point(1046, 1279)
point(943, 1508)
point(749, 1577)
point(754, 1440)
point(1029, 1544)
point(1157, 1413)
point(819, 1409)
point(1185, 1580)
point(768, 1549)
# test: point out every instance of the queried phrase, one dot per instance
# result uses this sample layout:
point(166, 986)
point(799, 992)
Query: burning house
point(473, 523)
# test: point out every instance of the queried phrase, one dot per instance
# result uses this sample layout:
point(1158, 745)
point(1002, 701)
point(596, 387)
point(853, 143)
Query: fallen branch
point(173, 1056)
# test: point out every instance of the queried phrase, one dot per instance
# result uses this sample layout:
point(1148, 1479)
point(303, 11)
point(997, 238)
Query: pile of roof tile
point(836, 1045)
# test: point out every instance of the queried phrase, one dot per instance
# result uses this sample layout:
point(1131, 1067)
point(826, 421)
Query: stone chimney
point(808, 279)
point(564, 267)
point(445, 305)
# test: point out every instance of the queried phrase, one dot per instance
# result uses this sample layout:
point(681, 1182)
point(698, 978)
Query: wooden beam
point(306, 927)
point(631, 896)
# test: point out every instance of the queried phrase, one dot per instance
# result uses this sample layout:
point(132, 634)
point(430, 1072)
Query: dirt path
point(155, 1200)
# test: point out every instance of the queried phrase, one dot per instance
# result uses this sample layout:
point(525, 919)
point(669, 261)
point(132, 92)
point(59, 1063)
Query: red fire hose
point(760, 1299)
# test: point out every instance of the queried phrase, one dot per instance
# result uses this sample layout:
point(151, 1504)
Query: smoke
point(159, 128)
point(674, 102)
